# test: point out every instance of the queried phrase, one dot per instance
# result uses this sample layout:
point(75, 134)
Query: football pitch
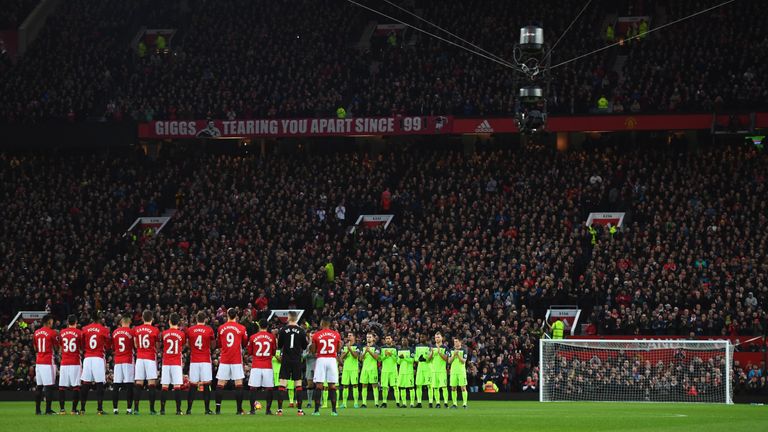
point(481, 416)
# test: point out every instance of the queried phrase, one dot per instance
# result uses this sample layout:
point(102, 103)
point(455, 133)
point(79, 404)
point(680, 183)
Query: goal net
point(635, 370)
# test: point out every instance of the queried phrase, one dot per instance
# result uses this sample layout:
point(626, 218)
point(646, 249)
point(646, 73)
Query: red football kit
point(71, 342)
point(200, 338)
point(173, 342)
point(45, 340)
point(262, 347)
point(96, 340)
point(145, 339)
point(232, 337)
point(122, 342)
point(327, 343)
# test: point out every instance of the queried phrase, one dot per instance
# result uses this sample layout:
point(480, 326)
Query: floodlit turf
point(481, 416)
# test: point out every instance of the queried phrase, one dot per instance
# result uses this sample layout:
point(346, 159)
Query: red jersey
point(200, 338)
point(45, 340)
point(262, 347)
point(173, 342)
point(96, 340)
point(232, 337)
point(327, 343)
point(145, 339)
point(71, 342)
point(122, 342)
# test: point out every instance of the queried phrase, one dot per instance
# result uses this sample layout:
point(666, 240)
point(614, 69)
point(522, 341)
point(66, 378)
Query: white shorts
point(171, 375)
point(262, 378)
point(70, 376)
point(228, 372)
point(146, 370)
point(326, 370)
point(94, 370)
point(200, 372)
point(45, 375)
point(123, 373)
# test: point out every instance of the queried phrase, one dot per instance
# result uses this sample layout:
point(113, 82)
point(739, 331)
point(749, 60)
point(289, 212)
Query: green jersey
point(438, 364)
point(421, 354)
point(405, 360)
point(350, 361)
point(369, 362)
point(458, 367)
point(275, 363)
point(388, 359)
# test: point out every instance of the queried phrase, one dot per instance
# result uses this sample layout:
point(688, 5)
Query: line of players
point(288, 351)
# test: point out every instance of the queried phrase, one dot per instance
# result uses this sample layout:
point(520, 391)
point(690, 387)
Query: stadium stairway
point(365, 37)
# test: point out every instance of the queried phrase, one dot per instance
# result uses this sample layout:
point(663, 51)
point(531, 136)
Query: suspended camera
point(532, 80)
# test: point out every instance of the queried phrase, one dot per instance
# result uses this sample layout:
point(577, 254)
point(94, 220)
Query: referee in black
point(291, 341)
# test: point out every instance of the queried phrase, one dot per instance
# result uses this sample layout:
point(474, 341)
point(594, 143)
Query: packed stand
point(279, 59)
point(480, 245)
point(674, 71)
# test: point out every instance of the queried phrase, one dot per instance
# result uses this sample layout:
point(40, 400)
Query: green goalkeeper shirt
point(388, 359)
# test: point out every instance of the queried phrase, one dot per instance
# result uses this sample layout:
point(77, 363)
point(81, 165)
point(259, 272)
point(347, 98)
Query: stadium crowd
point(246, 59)
point(479, 247)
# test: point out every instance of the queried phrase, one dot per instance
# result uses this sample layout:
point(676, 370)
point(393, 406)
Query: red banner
point(608, 123)
point(307, 127)
point(484, 125)
point(428, 125)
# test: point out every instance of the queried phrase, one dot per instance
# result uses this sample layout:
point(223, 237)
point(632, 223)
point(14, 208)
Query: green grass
point(481, 416)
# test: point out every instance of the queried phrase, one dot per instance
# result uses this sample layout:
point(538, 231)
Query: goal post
point(635, 370)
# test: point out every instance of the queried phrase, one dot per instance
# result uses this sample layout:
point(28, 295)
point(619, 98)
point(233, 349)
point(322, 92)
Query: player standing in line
point(200, 337)
point(96, 340)
point(145, 341)
point(290, 385)
point(232, 339)
point(45, 339)
point(350, 374)
point(325, 345)
point(369, 375)
point(309, 370)
point(291, 341)
point(262, 348)
point(71, 344)
point(458, 361)
point(423, 371)
point(405, 375)
point(437, 354)
point(122, 343)
point(388, 371)
point(172, 373)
